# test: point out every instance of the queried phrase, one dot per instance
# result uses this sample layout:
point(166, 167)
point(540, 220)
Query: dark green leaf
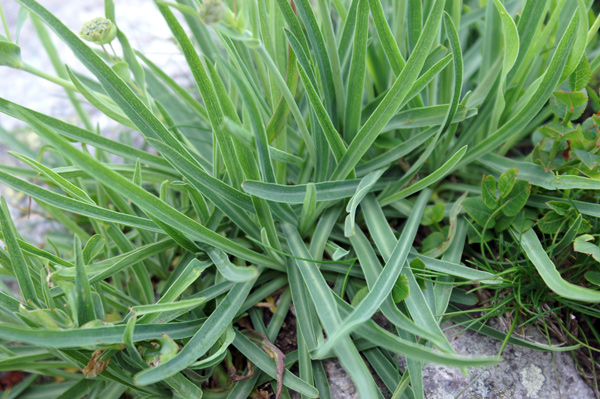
point(517, 198)
point(477, 209)
point(507, 181)
point(581, 75)
point(488, 192)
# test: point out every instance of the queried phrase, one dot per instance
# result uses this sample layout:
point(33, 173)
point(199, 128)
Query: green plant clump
point(325, 167)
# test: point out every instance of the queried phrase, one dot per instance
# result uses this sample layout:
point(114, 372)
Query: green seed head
point(211, 11)
point(98, 30)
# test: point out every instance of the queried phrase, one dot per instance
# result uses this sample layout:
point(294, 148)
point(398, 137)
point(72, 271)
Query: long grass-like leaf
point(537, 255)
point(19, 265)
point(385, 282)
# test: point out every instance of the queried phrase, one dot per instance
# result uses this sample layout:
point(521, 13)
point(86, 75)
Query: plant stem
point(51, 78)
point(5, 24)
point(61, 82)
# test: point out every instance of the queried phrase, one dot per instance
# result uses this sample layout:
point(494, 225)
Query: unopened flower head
point(99, 30)
point(212, 11)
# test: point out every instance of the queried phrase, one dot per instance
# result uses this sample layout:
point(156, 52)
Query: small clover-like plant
point(432, 217)
point(499, 204)
point(561, 217)
point(565, 146)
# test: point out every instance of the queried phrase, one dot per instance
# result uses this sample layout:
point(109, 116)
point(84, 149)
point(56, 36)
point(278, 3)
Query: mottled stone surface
point(523, 374)
point(340, 384)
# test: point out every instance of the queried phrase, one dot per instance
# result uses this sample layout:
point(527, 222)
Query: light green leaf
point(582, 244)
point(187, 304)
point(202, 340)
point(433, 177)
point(488, 191)
point(20, 268)
point(538, 256)
point(309, 206)
point(10, 54)
point(507, 181)
point(85, 307)
point(231, 272)
point(146, 200)
point(385, 282)
point(92, 336)
point(401, 290)
point(511, 38)
point(397, 93)
point(93, 248)
point(362, 190)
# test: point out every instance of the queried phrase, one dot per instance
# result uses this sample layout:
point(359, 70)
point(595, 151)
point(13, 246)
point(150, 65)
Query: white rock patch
point(532, 379)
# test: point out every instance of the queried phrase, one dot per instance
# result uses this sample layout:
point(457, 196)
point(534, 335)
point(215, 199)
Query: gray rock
point(523, 374)
point(340, 383)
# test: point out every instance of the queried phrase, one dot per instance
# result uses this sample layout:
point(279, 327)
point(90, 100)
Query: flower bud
point(211, 11)
point(99, 31)
point(10, 55)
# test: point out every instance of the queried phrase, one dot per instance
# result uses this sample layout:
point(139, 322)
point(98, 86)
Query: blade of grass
point(388, 107)
point(20, 267)
point(203, 339)
point(385, 282)
point(92, 336)
point(551, 276)
point(149, 202)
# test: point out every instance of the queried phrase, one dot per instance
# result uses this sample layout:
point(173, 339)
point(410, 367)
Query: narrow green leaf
point(147, 201)
point(93, 248)
point(324, 301)
point(440, 173)
point(188, 275)
point(84, 136)
point(231, 272)
point(55, 177)
point(547, 270)
point(356, 76)
point(308, 208)
point(361, 191)
point(385, 282)
point(103, 105)
point(115, 87)
point(92, 336)
point(384, 339)
point(20, 268)
point(326, 191)
point(511, 38)
point(547, 85)
point(187, 304)
point(388, 107)
point(266, 364)
point(202, 340)
point(76, 206)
